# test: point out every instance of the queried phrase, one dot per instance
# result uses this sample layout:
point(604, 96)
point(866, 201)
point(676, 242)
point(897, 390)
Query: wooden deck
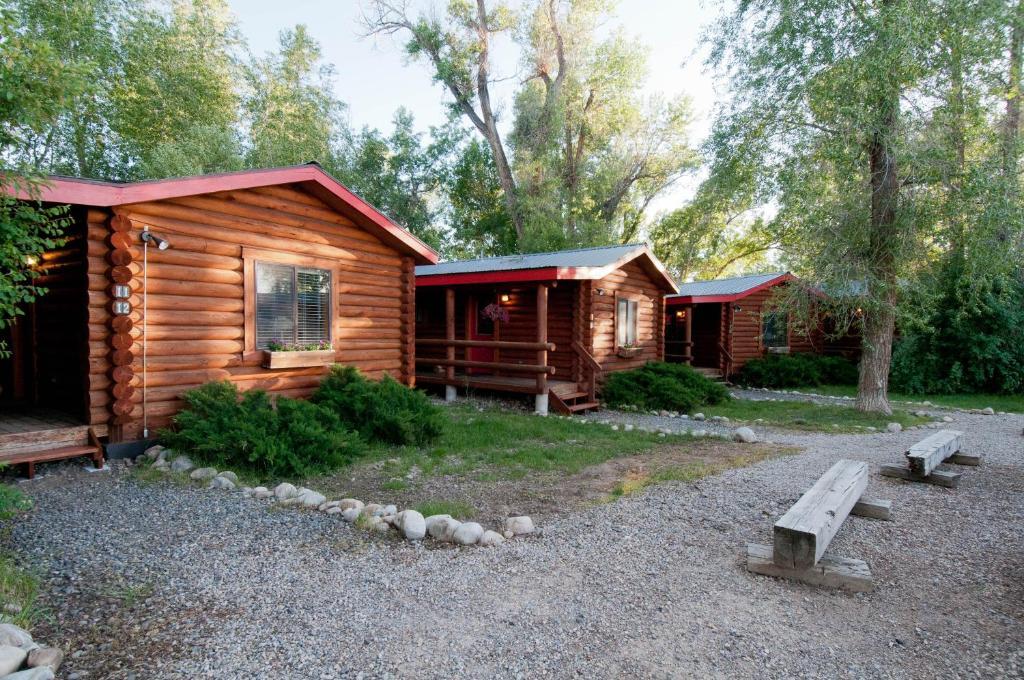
point(498, 383)
point(34, 420)
point(43, 435)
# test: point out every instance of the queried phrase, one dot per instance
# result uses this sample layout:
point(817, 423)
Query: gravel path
point(160, 581)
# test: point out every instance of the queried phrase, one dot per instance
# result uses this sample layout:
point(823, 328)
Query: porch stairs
point(711, 373)
point(41, 446)
point(569, 398)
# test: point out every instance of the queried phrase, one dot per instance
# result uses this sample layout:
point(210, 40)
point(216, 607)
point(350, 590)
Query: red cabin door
point(479, 327)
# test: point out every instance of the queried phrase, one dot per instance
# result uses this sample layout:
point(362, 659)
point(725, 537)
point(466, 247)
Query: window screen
point(625, 322)
point(776, 331)
point(292, 304)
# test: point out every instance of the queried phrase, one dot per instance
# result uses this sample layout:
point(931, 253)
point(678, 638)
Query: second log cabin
point(547, 324)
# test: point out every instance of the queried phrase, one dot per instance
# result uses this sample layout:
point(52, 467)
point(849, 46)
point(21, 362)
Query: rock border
point(22, 658)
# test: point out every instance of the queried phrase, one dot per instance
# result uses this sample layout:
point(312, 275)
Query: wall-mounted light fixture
point(680, 313)
point(599, 291)
point(737, 308)
point(505, 298)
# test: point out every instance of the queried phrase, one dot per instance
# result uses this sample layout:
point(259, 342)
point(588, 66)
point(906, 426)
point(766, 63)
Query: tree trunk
point(880, 317)
point(1011, 125)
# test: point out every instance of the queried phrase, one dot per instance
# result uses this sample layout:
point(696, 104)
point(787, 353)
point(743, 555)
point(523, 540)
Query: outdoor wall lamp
point(599, 291)
point(737, 308)
point(149, 237)
point(504, 298)
point(681, 314)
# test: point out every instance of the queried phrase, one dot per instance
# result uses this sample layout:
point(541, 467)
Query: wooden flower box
point(319, 357)
point(628, 352)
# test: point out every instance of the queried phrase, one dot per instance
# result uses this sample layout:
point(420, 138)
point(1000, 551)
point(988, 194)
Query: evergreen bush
point(659, 385)
point(384, 411)
point(272, 438)
point(797, 370)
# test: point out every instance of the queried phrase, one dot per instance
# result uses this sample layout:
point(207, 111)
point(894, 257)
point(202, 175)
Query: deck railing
point(540, 370)
point(591, 369)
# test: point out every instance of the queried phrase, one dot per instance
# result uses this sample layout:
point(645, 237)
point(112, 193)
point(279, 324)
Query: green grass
point(456, 509)
point(18, 588)
point(1013, 403)
point(799, 415)
point(514, 442)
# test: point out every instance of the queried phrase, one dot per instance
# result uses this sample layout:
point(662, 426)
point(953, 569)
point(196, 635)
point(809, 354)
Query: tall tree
point(459, 49)
point(293, 116)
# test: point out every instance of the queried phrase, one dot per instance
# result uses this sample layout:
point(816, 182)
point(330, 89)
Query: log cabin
point(164, 285)
point(549, 325)
point(719, 325)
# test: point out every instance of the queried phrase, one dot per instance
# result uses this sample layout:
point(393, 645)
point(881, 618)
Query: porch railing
point(450, 363)
point(591, 369)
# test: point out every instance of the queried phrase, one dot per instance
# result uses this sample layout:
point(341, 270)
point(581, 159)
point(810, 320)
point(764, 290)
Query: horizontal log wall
point(631, 281)
point(196, 321)
point(746, 339)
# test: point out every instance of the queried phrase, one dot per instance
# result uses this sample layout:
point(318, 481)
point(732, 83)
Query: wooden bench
point(45, 446)
point(805, 531)
point(924, 458)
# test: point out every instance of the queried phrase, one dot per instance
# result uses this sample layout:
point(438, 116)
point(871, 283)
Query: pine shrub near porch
point(662, 386)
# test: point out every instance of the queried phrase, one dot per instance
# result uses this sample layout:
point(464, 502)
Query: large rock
point(442, 527)
point(41, 673)
point(228, 474)
point(203, 473)
point(262, 492)
point(310, 498)
point(182, 464)
point(346, 503)
point(373, 510)
point(284, 491)
point(745, 434)
point(519, 525)
point(13, 636)
point(50, 657)
point(352, 514)
point(894, 428)
point(468, 533)
point(988, 411)
point(11, 659)
point(153, 452)
point(491, 538)
point(221, 482)
point(698, 416)
point(412, 525)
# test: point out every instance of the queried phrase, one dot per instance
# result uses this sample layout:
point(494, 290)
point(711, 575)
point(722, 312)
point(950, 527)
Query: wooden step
point(572, 395)
point(44, 455)
point(585, 406)
point(36, 439)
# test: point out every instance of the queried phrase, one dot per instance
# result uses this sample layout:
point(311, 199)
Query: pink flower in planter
point(495, 312)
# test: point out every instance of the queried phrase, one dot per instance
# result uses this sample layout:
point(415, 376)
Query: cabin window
point(625, 322)
point(775, 332)
point(293, 305)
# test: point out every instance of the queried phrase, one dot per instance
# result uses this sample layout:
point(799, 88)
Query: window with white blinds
point(292, 304)
point(625, 322)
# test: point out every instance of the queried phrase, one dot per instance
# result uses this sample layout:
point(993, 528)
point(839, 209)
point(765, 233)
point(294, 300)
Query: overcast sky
point(374, 78)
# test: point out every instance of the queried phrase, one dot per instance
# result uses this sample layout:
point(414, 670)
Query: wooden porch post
point(688, 335)
point(541, 400)
point(449, 334)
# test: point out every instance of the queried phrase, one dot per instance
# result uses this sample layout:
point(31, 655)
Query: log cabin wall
point(198, 296)
point(745, 335)
point(634, 282)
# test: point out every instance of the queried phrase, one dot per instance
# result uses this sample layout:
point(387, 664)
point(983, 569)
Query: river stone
point(204, 473)
point(46, 656)
point(442, 527)
point(228, 474)
point(390, 510)
point(11, 659)
point(412, 525)
point(988, 411)
point(284, 491)
point(468, 533)
point(153, 452)
point(221, 482)
point(262, 492)
point(491, 538)
point(745, 434)
point(894, 428)
point(947, 419)
point(519, 525)
point(13, 636)
point(346, 503)
point(333, 510)
point(351, 515)
point(310, 498)
point(41, 673)
point(698, 416)
point(373, 509)
point(182, 464)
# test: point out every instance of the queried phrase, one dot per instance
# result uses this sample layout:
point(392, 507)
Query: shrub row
point(659, 385)
point(797, 370)
point(283, 437)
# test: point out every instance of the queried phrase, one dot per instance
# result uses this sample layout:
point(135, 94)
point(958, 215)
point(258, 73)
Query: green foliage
point(797, 370)
point(12, 501)
point(660, 385)
point(280, 438)
point(457, 509)
point(971, 341)
point(381, 411)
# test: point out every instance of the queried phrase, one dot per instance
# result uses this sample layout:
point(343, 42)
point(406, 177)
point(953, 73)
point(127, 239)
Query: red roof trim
point(107, 194)
point(508, 276)
point(698, 299)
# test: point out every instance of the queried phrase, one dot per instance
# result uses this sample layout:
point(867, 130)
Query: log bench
point(50, 445)
point(924, 458)
point(805, 531)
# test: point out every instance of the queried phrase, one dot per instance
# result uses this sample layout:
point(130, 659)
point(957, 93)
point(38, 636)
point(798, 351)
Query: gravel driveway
point(160, 581)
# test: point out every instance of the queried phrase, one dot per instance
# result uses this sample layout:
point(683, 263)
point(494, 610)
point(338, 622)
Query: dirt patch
point(493, 495)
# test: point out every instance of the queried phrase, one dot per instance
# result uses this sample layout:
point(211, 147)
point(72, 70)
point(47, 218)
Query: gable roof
point(726, 290)
point(311, 176)
point(579, 264)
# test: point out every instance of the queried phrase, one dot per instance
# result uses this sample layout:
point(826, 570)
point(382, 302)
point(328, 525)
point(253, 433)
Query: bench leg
point(31, 469)
point(97, 460)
